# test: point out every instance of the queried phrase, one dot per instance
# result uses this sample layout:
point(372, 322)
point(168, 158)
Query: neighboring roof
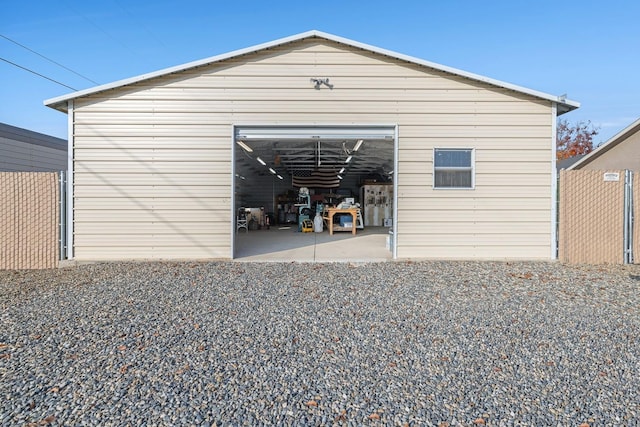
point(60, 103)
point(608, 145)
point(31, 137)
point(566, 163)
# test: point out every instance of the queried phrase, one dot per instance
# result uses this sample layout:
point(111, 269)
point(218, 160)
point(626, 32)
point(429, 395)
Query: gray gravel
point(425, 343)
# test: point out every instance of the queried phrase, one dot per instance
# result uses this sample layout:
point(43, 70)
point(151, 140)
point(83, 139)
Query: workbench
point(328, 213)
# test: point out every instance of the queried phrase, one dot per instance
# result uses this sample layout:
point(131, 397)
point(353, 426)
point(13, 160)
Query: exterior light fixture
point(346, 161)
point(358, 145)
point(261, 161)
point(317, 82)
point(272, 171)
point(244, 146)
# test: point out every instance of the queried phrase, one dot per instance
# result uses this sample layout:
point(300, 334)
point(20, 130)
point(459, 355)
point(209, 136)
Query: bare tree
point(574, 140)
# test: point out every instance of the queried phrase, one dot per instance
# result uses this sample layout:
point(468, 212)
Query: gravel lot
point(424, 343)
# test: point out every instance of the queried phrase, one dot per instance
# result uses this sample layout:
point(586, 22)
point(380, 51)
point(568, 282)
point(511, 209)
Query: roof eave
point(564, 104)
point(608, 145)
point(60, 103)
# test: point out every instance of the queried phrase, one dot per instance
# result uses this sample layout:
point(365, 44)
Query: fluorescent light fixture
point(358, 144)
point(272, 171)
point(261, 161)
point(390, 173)
point(244, 146)
point(339, 176)
point(279, 177)
point(341, 170)
point(348, 159)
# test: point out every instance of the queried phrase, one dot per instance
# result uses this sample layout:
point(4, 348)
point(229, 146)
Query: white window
point(453, 168)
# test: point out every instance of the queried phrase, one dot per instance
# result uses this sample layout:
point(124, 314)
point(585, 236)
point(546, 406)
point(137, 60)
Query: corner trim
point(70, 178)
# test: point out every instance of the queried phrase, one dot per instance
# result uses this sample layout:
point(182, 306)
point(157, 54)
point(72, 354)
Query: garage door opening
point(290, 181)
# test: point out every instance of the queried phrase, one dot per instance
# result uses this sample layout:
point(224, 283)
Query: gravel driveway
point(397, 343)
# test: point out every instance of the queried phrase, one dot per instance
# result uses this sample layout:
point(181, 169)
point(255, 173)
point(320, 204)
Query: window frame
point(472, 168)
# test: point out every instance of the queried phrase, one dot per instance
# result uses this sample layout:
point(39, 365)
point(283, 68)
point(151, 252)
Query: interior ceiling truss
point(374, 156)
point(298, 149)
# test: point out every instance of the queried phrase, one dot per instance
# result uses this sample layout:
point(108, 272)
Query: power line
point(142, 24)
point(37, 74)
point(48, 59)
point(118, 40)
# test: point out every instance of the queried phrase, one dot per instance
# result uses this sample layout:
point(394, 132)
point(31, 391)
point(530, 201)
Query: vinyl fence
point(29, 220)
point(596, 217)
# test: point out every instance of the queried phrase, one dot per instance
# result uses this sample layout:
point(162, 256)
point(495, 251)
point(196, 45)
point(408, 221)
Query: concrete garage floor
point(288, 245)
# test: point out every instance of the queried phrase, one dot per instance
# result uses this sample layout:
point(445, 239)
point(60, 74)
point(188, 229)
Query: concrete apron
point(286, 244)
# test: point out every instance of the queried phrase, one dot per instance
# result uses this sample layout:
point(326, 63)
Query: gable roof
point(60, 103)
point(607, 145)
point(15, 133)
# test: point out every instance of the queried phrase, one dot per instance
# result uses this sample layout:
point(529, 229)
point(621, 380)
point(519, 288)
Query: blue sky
point(589, 50)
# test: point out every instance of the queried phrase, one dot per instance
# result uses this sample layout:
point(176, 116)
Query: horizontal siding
point(501, 191)
point(441, 249)
point(253, 101)
point(152, 154)
point(168, 140)
point(490, 179)
point(413, 126)
point(430, 214)
point(151, 179)
point(158, 142)
point(129, 191)
point(176, 240)
point(167, 200)
point(486, 168)
point(19, 156)
point(189, 118)
point(476, 239)
point(118, 252)
point(496, 145)
point(153, 166)
point(154, 228)
point(240, 82)
point(453, 202)
point(469, 228)
point(250, 96)
point(219, 216)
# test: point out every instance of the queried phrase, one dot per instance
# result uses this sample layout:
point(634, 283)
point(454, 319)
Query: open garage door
point(275, 167)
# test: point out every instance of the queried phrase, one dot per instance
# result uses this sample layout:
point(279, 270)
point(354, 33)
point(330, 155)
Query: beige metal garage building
point(162, 162)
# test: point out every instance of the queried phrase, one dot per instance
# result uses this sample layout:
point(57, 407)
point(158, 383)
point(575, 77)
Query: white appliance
point(377, 203)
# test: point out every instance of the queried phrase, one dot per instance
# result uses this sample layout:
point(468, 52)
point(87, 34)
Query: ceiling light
point(341, 170)
point(279, 177)
point(348, 159)
point(244, 146)
point(339, 177)
point(272, 171)
point(358, 144)
point(261, 161)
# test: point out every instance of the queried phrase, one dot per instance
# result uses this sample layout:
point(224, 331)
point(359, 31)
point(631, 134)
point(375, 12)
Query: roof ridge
point(59, 103)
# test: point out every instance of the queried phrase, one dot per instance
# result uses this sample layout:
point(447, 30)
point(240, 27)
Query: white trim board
point(60, 102)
